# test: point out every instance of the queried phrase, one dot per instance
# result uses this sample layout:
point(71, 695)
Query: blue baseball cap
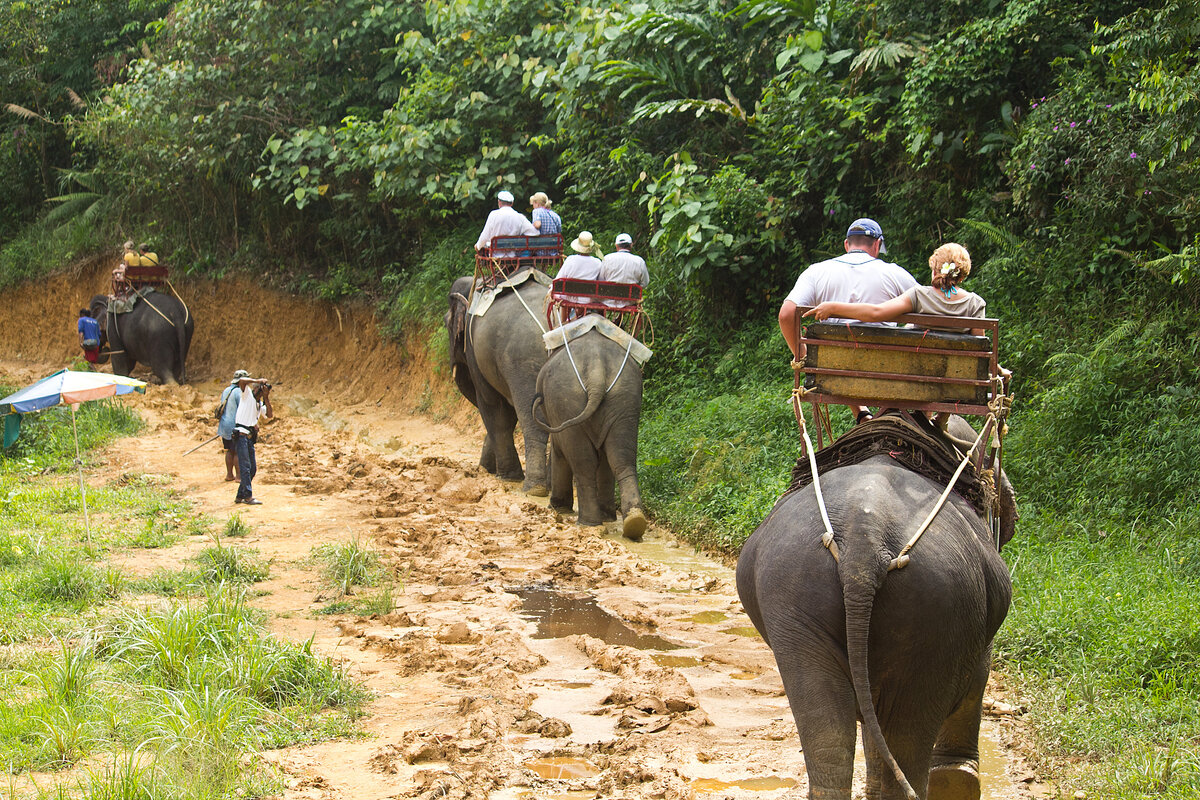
point(867, 227)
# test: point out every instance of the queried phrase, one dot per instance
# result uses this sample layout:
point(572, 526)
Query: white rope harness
point(901, 560)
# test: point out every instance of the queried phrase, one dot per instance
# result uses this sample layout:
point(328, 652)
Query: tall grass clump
point(46, 439)
point(220, 563)
point(349, 564)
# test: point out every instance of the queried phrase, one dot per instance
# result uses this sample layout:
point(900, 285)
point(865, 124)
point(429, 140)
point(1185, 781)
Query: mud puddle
point(559, 614)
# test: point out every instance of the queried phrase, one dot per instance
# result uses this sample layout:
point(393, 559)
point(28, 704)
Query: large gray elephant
point(496, 358)
point(905, 651)
point(157, 332)
point(593, 430)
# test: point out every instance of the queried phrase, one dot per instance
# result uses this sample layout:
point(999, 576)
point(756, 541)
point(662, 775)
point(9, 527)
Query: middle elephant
point(591, 392)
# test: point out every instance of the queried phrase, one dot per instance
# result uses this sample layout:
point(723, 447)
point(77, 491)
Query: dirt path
point(525, 657)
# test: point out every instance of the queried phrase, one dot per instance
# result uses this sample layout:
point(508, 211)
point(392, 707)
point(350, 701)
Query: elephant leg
point(955, 771)
point(822, 701)
point(585, 462)
point(537, 471)
point(606, 487)
point(500, 421)
point(562, 492)
point(487, 457)
point(123, 364)
point(620, 450)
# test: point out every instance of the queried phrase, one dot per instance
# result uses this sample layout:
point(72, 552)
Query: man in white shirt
point(255, 402)
point(504, 221)
point(857, 277)
point(623, 266)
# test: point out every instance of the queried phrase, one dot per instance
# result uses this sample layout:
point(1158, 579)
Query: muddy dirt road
point(525, 657)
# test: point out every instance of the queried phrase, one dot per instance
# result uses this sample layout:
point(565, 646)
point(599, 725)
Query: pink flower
point(1132, 154)
point(1072, 124)
point(1066, 161)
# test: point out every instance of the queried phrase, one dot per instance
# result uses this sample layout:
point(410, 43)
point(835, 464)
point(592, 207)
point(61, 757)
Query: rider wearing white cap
point(623, 266)
point(504, 221)
point(859, 276)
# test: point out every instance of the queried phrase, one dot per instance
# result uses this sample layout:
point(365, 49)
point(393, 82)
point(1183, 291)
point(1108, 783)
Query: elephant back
point(914, 443)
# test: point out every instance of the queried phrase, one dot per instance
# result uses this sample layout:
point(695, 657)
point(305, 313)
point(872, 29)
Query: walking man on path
point(227, 416)
point(255, 402)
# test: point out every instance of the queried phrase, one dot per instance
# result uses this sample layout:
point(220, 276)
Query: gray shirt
point(928, 300)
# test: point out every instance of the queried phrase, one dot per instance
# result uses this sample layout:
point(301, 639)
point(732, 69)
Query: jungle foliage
point(353, 148)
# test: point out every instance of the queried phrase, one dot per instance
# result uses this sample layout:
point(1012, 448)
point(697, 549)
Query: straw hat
point(584, 243)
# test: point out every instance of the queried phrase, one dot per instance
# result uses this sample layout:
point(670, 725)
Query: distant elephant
point(157, 333)
point(495, 359)
point(907, 652)
point(593, 431)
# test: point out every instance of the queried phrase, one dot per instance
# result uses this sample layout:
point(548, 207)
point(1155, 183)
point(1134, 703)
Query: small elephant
point(157, 332)
point(495, 359)
point(905, 651)
point(591, 393)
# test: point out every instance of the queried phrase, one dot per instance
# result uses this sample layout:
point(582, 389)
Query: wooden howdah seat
point(922, 368)
point(140, 276)
point(571, 298)
point(509, 254)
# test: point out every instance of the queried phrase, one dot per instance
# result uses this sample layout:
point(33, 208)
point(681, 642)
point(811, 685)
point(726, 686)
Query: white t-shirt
point(624, 267)
point(504, 221)
point(855, 277)
point(580, 267)
point(248, 412)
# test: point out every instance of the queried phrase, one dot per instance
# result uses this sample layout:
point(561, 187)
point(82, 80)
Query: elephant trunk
point(595, 396)
point(859, 598)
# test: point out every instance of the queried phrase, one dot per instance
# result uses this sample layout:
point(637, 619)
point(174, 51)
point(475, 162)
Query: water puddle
point(676, 662)
point(767, 784)
point(743, 676)
point(670, 552)
point(562, 767)
point(748, 631)
point(558, 614)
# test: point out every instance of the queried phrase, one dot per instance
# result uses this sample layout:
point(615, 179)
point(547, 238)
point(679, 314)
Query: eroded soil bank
point(524, 656)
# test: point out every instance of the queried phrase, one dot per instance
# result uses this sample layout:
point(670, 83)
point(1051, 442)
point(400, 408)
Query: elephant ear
point(457, 325)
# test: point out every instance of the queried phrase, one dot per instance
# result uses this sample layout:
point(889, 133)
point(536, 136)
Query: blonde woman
point(949, 265)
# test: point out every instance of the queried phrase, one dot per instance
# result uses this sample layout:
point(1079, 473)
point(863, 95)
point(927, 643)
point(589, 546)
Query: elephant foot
point(954, 782)
point(635, 525)
point(536, 489)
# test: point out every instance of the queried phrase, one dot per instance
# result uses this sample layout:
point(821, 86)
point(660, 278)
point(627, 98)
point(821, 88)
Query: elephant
point(495, 360)
point(593, 430)
point(907, 651)
point(157, 332)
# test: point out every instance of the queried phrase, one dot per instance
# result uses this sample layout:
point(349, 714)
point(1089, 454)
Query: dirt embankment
point(320, 350)
point(523, 656)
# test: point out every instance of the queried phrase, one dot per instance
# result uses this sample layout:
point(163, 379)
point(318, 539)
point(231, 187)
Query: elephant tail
point(595, 396)
point(859, 598)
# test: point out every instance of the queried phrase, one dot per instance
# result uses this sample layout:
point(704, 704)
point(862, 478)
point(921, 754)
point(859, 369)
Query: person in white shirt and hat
point(504, 221)
point(623, 266)
point(254, 403)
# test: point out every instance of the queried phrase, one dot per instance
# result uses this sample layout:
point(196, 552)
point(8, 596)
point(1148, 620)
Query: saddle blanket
point(482, 299)
point(594, 322)
point(916, 446)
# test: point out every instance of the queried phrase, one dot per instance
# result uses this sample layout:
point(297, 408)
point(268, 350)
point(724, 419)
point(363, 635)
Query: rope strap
point(901, 561)
point(827, 536)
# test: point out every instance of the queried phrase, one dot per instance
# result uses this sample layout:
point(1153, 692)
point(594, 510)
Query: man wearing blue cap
point(504, 221)
point(859, 276)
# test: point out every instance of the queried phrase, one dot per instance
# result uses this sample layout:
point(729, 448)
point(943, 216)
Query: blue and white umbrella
point(70, 388)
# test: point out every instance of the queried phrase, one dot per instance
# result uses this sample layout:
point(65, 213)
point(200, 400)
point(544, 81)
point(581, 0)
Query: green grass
point(182, 692)
point(349, 564)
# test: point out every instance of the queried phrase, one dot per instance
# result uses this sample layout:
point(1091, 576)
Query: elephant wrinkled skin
point(157, 332)
point(593, 431)
point(907, 652)
point(496, 358)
